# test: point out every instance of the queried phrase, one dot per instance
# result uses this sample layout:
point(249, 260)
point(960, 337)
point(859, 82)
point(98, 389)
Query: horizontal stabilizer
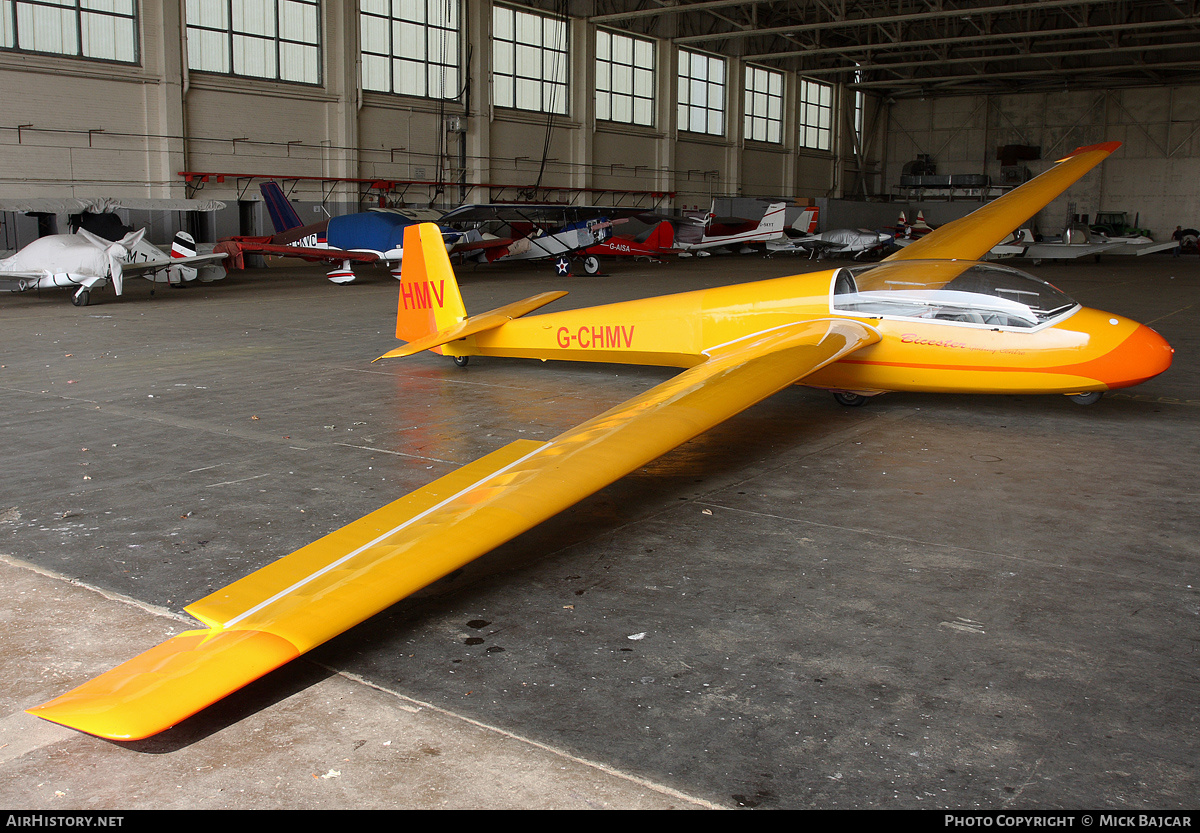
point(475, 324)
point(142, 267)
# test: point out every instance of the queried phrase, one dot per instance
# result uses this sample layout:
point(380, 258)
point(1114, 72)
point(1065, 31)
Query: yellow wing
point(971, 237)
point(273, 615)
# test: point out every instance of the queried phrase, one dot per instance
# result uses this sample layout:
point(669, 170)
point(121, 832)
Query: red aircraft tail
point(662, 237)
point(807, 223)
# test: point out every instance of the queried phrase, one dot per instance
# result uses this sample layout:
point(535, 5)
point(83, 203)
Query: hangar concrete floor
point(926, 602)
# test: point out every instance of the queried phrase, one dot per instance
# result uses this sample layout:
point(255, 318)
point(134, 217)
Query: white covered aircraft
point(855, 242)
point(85, 261)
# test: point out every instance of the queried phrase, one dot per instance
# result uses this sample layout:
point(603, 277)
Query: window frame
point(816, 106)
point(510, 88)
point(607, 66)
point(751, 118)
point(689, 84)
point(79, 15)
point(450, 34)
point(200, 36)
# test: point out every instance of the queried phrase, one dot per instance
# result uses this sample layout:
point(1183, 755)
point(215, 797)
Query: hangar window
point(529, 61)
point(764, 105)
point(102, 29)
point(624, 78)
point(410, 47)
point(816, 115)
point(701, 93)
point(275, 39)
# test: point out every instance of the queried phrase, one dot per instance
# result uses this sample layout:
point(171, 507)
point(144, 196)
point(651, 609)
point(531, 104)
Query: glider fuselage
point(1079, 350)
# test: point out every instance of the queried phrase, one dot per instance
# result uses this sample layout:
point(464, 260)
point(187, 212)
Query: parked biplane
point(561, 233)
point(929, 318)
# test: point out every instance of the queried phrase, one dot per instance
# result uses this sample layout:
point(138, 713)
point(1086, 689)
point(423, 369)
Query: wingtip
point(399, 352)
point(1105, 147)
point(168, 683)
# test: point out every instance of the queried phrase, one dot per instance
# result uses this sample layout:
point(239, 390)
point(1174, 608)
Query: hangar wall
point(1153, 175)
point(86, 128)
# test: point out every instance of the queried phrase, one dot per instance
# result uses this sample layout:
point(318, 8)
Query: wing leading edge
point(293, 605)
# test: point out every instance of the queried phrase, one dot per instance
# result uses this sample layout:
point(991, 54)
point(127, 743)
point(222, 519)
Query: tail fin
point(429, 296)
point(662, 237)
point(283, 215)
point(772, 220)
point(431, 313)
point(183, 246)
point(806, 223)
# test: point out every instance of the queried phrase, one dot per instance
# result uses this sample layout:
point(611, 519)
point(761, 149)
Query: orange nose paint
point(1143, 355)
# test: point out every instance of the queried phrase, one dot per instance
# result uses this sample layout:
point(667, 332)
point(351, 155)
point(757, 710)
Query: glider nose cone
point(1142, 356)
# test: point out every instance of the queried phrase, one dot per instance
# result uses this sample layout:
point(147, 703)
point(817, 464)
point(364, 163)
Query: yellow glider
point(919, 321)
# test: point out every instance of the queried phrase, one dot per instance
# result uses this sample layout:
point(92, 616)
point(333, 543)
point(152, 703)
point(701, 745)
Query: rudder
point(429, 297)
point(662, 237)
point(806, 223)
point(772, 220)
point(183, 245)
point(283, 215)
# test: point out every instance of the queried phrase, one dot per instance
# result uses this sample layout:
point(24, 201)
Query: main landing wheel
point(591, 265)
point(461, 361)
point(81, 298)
point(850, 400)
point(1086, 398)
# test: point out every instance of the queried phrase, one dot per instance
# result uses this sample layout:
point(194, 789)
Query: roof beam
point(895, 19)
point(980, 38)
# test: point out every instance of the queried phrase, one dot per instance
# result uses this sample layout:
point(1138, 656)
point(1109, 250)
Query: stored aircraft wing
point(1022, 244)
point(937, 324)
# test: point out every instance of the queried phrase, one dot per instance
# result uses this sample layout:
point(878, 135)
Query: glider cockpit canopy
point(951, 290)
